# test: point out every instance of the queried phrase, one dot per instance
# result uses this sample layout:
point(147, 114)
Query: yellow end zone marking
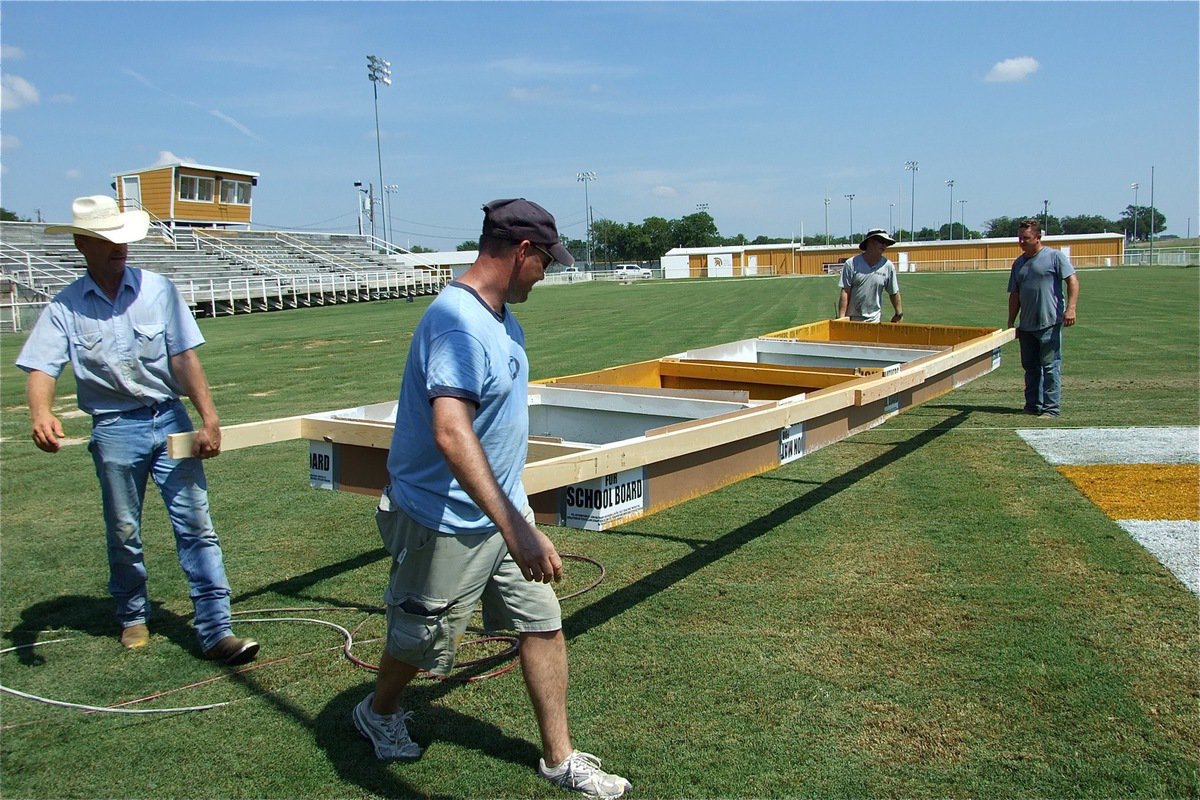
point(1140, 491)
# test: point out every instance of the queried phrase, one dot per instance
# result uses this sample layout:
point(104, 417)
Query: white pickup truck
point(631, 271)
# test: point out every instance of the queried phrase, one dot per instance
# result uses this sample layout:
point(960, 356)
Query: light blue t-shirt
point(867, 285)
point(119, 350)
point(461, 348)
point(1038, 282)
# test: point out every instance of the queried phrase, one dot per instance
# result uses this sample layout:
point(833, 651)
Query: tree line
point(614, 242)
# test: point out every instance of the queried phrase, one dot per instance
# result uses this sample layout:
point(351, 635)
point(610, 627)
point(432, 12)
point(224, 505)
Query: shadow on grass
point(353, 759)
point(626, 598)
point(295, 585)
point(92, 616)
point(1013, 410)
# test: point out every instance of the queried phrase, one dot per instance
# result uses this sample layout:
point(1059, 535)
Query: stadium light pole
point(950, 227)
point(1046, 217)
point(911, 166)
point(378, 71)
point(850, 197)
point(1134, 186)
point(1150, 236)
point(962, 217)
point(827, 220)
point(891, 227)
point(585, 178)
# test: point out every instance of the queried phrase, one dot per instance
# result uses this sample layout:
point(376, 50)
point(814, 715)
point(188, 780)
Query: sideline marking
point(1145, 479)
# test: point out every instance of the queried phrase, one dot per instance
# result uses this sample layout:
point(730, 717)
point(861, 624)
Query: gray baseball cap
point(519, 219)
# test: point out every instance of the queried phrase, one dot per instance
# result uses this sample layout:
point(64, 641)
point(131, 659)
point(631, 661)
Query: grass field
point(924, 610)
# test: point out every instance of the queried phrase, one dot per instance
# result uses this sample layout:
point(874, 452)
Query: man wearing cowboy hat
point(864, 278)
point(130, 340)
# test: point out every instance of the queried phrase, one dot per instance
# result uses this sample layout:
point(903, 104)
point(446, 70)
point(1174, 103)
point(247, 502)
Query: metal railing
point(314, 252)
point(268, 293)
point(34, 273)
point(247, 256)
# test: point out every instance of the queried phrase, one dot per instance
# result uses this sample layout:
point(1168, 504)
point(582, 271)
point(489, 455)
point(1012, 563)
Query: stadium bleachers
point(226, 272)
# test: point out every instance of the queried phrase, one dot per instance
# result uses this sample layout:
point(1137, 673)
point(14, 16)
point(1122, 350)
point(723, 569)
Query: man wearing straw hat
point(130, 340)
point(866, 276)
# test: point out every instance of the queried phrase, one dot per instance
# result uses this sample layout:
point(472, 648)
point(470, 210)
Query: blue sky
point(758, 110)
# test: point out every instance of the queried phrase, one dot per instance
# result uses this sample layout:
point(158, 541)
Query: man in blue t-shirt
point(455, 517)
point(1035, 295)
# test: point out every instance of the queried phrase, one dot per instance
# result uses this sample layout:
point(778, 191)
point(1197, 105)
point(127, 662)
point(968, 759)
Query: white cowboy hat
point(97, 216)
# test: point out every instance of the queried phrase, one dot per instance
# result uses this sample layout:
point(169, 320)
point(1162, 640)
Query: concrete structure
point(1085, 250)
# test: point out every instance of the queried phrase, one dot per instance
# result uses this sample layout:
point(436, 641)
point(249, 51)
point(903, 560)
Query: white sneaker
point(388, 733)
point(580, 772)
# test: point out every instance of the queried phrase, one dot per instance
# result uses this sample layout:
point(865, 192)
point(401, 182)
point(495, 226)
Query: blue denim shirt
point(119, 349)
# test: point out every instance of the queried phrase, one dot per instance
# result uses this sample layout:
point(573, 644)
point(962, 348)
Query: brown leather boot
point(232, 651)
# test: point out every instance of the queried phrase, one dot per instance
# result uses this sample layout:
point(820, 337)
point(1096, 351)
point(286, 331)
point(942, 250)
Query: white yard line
point(1079, 446)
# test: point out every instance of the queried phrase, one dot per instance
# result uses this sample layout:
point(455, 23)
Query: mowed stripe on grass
point(1145, 479)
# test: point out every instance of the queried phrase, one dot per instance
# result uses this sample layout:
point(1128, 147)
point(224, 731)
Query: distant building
point(189, 195)
point(736, 261)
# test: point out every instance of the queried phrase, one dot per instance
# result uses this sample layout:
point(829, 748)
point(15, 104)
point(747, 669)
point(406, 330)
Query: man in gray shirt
point(1035, 294)
point(866, 276)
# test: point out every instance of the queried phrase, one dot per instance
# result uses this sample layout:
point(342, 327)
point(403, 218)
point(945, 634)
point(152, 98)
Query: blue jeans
point(127, 448)
point(1041, 357)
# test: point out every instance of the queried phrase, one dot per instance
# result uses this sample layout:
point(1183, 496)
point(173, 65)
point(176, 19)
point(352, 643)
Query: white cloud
point(139, 77)
point(72, 174)
point(16, 92)
point(9, 52)
point(167, 157)
point(234, 123)
point(664, 191)
point(1012, 69)
point(525, 67)
point(520, 94)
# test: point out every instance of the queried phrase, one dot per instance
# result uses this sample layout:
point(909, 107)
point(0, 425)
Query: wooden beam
point(236, 437)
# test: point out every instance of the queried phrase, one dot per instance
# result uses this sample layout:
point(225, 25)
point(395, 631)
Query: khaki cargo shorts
point(436, 580)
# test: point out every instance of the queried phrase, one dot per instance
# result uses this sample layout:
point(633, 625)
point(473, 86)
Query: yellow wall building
point(190, 195)
point(1084, 250)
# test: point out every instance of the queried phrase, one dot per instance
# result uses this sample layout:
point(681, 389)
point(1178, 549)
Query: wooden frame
point(628, 441)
